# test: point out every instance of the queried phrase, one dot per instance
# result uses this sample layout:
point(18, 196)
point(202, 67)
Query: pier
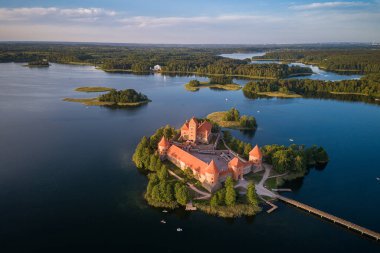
point(342, 222)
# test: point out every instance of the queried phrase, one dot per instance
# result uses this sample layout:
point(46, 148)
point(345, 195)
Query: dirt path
point(205, 195)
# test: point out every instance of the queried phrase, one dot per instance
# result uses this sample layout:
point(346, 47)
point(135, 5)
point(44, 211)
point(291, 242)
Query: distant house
point(157, 68)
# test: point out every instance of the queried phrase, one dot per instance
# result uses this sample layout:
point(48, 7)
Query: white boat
point(291, 140)
point(258, 111)
point(179, 229)
point(378, 178)
point(163, 221)
point(226, 99)
point(164, 211)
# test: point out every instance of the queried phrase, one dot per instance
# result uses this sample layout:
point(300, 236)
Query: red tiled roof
point(194, 121)
point(205, 126)
point(236, 162)
point(190, 160)
point(163, 142)
point(212, 168)
point(256, 152)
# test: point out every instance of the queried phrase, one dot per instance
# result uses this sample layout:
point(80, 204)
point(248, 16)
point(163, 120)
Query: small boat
point(163, 221)
point(258, 111)
point(226, 99)
point(179, 229)
point(291, 140)
point(164, 211)
point(378, 178)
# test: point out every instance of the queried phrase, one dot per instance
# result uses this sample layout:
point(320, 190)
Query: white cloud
point(101, 25)
point(145, 21)
point(326, 5)
point(25, 14)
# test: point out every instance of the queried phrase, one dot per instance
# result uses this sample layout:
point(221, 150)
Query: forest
point(369, 85)
point(363, 60)
point(141, 59)
point(123, 96)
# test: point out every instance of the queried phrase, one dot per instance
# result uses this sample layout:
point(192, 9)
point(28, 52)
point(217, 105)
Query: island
point(215, 82)
point(199, 167)
point(93, 89)
point(122, 98)
point(232, 119)
point(38, 63)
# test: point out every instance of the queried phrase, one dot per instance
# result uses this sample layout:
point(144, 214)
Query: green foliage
point(220, 80)
point(237, 145)
point(251, 194)
point(181, 193)
point(230, 198)
point(145, 154)
point(293, 158)
point(163, 173)
point(232, 115)
point(123, 96)
point(194, 83)
point(368, 85)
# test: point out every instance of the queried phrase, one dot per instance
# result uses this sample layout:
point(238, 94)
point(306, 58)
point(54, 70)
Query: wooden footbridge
point(347, 224)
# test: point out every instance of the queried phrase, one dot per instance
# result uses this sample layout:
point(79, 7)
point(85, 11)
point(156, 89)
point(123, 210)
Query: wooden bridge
point(347, 224)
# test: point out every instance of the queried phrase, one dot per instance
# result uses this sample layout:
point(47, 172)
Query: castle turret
point(163, 147)
point(255, 156)
point(193, 125)
point(212, 173)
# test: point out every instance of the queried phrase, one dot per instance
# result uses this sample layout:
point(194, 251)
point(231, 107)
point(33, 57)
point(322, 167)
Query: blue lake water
point(67, 182)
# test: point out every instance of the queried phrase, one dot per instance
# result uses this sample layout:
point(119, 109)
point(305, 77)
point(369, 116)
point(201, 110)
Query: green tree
point(230, 198)
point(251, 194)
point(181, 193)
point(163, 173)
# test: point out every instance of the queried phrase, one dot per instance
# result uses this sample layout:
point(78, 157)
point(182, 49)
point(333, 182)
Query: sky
point(190, 22)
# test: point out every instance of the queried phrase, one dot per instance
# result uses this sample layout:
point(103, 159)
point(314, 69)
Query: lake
point(318, 74)
point(67, 182)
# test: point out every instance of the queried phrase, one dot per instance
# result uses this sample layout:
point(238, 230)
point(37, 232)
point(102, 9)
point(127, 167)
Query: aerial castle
point(208, 173)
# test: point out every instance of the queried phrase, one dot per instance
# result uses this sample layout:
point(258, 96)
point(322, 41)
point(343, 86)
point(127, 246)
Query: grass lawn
point(93, 89)
point(280, 94)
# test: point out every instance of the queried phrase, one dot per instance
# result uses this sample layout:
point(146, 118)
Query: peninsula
point(122, 98)
point(200, 167)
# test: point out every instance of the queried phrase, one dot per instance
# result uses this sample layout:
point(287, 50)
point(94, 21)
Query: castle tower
point(193, 125)
point(255, 156)
point(212, 173)
point(237, 167)
point(163, 147)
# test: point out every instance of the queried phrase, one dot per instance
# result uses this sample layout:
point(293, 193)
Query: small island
point(201, 168)
point(93, 89)
point(232, 119)
point(122, 98)
point(215, 82)
point(38, 63)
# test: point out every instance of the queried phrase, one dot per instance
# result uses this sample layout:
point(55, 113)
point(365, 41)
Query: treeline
point(161, 191)
point(245, 121)
point(231, 67)
point(295, 158)
point(123, 96)
point(186, 60)
point(368, 85)
point(357, 60)
point(237, 145)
